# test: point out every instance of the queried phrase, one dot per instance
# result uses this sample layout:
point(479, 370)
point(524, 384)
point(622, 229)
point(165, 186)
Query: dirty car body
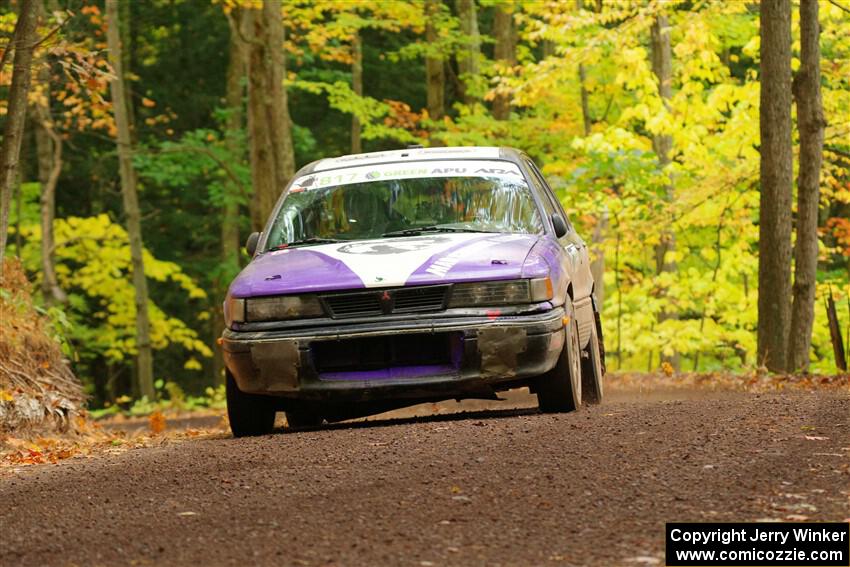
point(394, 278)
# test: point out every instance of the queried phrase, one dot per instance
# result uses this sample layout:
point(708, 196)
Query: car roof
point(413, 154)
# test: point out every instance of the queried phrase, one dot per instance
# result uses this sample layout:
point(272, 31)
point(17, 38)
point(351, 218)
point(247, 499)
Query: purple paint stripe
point(454, 265)
point(399, 372)
point(298, 270)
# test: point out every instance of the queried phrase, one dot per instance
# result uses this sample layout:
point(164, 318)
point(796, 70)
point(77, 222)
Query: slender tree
point(144, 359)
point(434, 65)
point(468, 60)
point(234, 96)
point(585, 96)
point(662, 67)
point(24, 39)
point(504, 52)
point(774, 306)
point(49, 158)
point(597, 265)
point(357, 87)
point(272, 153)
point(230, 243)
point(810, 123)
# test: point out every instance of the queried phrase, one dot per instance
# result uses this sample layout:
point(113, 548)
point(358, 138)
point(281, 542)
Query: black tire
point(302, 418)
point(592, 370)
point(598, 319)
point(249, 414)
point(559, 390)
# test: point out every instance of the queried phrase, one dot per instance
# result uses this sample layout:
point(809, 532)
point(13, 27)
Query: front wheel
point(559, 390)
point(249, 414)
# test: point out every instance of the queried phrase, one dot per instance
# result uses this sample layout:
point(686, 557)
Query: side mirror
point(251, 244)
point(559, 224)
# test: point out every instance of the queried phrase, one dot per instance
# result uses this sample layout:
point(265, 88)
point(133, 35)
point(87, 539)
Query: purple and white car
point(393, 278)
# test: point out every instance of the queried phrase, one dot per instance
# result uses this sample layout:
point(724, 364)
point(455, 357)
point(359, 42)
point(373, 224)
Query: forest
point(702, 149)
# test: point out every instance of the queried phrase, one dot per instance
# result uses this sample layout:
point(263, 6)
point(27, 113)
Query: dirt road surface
point(501, 487)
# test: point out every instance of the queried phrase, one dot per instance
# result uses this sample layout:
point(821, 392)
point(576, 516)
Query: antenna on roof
point(415, 146)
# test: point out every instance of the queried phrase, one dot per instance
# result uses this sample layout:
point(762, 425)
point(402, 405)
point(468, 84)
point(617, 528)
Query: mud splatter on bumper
point(484, 355)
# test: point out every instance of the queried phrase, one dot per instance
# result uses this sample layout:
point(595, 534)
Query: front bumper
point(488, 354)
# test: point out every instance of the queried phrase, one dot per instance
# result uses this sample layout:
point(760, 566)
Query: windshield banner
point(408, 170)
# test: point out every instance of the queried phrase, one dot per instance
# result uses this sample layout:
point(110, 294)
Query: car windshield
point(365, 203)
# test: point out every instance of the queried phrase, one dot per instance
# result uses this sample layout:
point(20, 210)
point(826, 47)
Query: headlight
point(282, 308)
point(234, 310)
point(508, 292)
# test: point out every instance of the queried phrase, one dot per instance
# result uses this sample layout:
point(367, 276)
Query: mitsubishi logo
point(386, 302)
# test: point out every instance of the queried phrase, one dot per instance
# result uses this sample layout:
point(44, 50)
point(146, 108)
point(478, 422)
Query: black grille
point(412, 299)
point(387, 301)
point(354, 304)
point(389, 351)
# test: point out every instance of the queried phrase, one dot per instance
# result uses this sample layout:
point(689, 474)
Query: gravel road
point(503, 487)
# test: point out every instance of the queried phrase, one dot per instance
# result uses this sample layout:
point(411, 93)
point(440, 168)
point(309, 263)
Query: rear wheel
point(303, 418)
point(591, 369)
point(559, 390)
point(249, 414)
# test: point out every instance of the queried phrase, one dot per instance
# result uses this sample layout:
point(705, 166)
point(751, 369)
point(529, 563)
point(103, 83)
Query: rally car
point(388, 279)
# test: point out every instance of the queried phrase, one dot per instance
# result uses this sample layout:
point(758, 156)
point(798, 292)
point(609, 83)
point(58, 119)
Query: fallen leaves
point(156, 422)
point(93, 439)
point(39, 452)
point(754, 381)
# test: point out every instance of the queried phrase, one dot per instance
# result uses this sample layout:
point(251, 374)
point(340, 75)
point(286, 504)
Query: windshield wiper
point(305, 242)
point(431, 228)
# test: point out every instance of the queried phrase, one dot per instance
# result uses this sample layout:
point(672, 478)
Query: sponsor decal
point(395, 246)
point(443, 265)
point(413, 170)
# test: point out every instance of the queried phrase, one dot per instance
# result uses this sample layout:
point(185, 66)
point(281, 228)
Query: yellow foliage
point(93, 261)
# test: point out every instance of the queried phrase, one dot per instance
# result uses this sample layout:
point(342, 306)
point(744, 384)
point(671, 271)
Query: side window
point(550, 202)
point(541, 190)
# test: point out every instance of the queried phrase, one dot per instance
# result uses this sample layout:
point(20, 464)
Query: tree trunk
point(16, 113)
point(470, 54)
point(835, 334)
point(126, 36)
point(434, 71)
point(144, 359)
point(230, 210)
point(230, 243)
point(810, 123)
point(49, 147)
point(272, 157)
point(774, 306)
point(357, 87)
point(585, 97)
point(662, 67)
point(597, 265)
point(49, 158)
point(504, 52)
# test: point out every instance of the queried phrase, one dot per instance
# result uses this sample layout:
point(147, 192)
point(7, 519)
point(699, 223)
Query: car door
point(576, 248)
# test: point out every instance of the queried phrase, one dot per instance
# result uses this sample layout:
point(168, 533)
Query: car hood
point(388, 262)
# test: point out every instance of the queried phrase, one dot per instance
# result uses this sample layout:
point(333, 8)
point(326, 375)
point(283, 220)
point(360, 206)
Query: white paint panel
point(388, 262)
